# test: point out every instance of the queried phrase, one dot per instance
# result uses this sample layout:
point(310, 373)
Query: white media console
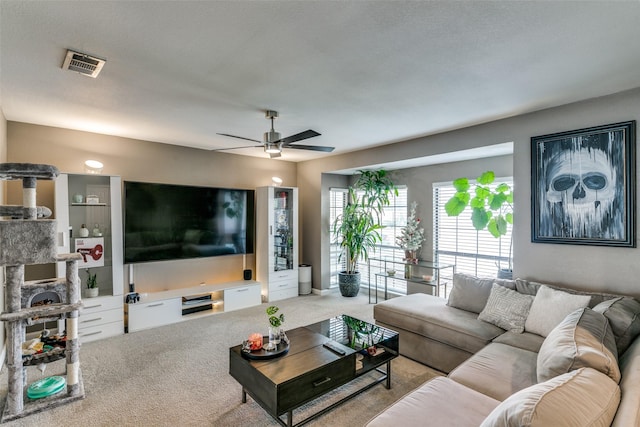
point(166, 307)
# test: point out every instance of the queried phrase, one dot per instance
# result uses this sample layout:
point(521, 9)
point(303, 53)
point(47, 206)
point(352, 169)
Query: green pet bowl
point(46, 387)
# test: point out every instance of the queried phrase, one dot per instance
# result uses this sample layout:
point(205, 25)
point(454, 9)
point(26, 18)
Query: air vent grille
point(82, 63)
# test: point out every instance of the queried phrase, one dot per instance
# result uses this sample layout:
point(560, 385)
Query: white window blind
point(457, 242)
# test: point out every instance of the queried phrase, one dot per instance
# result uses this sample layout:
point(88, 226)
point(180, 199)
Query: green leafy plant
point(357, 229)
point(92, 280)
point(492, 209)
point(274, 320)
point(362, 330)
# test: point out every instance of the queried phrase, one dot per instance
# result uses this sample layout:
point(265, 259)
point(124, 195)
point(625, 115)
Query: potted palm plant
point(357, 229)
point(492, 209)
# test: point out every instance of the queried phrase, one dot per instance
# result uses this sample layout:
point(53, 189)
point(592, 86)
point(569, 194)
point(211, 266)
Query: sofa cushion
point(583, 339)
point(629, 410)
point(525, 340)
point(529, 287)
point(624, 316)
point(506, 309)
point(433, 401)
point(498, 370)
point(549, 307)
point(471, 293)
point(429, 316)
point(584, 397)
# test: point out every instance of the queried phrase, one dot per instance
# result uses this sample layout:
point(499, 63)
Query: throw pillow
point(549, 307)
point(624, 317)
point(583, 339)
point(471, 293)
point(506, 309)
point(584, 397)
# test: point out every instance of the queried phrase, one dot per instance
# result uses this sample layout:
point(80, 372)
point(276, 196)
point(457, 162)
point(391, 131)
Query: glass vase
point(274, 337)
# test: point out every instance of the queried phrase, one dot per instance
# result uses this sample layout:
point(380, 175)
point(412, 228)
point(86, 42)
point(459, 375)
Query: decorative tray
point(263, 354)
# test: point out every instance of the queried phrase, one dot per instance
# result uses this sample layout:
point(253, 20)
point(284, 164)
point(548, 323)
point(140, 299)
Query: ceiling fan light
point(272, 148)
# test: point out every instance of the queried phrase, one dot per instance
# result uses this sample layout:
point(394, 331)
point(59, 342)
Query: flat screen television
point(168, 222)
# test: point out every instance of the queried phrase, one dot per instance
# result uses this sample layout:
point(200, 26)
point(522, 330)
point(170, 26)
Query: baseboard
point(322, 292)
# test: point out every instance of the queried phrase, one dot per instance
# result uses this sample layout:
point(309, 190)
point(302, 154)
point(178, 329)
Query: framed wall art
point(583, 186)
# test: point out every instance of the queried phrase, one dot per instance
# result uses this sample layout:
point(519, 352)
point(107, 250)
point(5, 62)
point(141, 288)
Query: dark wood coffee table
point(309, 370)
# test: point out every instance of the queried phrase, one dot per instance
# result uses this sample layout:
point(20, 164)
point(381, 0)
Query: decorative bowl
point(391, 272)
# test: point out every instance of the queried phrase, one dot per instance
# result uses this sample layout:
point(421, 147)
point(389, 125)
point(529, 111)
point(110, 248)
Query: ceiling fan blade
point(236, 148)
point(240, 137)
point(298, 137)
point(312, 147)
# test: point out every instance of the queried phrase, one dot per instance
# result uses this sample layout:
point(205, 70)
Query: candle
point(255, 341)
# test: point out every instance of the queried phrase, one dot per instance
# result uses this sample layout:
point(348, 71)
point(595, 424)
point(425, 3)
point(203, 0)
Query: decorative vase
point(410, 258)
point(274, 336)
point(505, 273)
point(92, 292)
point(349, 283)
point(77, 198)
point(84, 231)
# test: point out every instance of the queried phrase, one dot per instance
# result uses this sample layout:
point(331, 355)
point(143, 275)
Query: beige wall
point(589, 267)
point(586, 267)
point(138, 160)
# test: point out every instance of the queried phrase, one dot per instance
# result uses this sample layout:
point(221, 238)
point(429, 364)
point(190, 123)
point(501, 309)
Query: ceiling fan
point(273, 143)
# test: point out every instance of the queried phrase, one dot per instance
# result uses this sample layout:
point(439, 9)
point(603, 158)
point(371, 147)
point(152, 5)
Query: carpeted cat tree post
point(26, 237)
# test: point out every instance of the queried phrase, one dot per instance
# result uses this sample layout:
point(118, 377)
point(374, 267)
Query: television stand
point(167, 307)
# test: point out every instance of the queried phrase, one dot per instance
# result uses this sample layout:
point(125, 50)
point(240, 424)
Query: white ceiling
point(362, 73)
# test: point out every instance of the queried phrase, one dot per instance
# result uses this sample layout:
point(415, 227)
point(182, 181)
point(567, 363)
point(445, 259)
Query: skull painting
point(581, 184)
point(581, 180)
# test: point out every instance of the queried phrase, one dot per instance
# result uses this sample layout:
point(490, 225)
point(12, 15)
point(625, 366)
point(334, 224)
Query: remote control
point(331, 346)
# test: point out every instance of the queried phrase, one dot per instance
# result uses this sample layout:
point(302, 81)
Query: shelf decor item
point(275, 327)
point(92, 199)
point(92, 285)
point(84, 231)
point(255, 341)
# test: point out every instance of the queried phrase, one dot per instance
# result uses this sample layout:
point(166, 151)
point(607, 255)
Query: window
point(457, 242)
point(394, 217)
point(337, 202)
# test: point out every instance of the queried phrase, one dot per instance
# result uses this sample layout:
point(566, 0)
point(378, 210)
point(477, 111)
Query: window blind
point(457, 242)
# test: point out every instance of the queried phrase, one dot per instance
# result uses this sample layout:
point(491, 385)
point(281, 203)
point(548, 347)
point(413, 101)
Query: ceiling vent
point(82, 63)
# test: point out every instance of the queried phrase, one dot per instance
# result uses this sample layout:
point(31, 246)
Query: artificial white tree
point(412, 235)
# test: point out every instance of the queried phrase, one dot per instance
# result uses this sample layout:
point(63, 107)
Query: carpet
point(178, 374)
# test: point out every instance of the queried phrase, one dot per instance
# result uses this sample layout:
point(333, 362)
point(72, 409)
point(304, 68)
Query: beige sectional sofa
point(517, 353)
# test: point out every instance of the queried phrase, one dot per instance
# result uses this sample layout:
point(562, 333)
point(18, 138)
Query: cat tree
point(27, 237)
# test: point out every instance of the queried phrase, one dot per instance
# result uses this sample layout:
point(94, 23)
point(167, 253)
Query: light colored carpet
point(179, 374)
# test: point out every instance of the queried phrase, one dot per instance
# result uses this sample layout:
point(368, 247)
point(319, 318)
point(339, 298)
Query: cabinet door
point(153, 314)
point(241, 297)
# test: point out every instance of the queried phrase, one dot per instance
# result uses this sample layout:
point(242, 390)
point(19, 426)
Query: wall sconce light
point(276, 180)
point(93, 166)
